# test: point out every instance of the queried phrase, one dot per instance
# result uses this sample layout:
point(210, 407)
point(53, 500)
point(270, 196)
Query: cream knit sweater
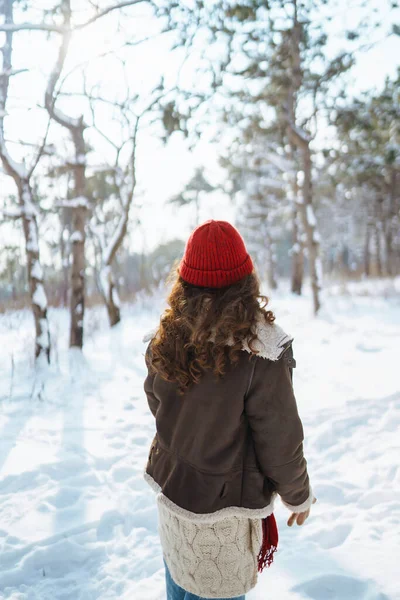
point(217, 559)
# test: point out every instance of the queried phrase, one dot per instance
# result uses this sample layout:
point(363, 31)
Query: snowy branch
point(50, 100)
point(11, 72)
point(14, 169)
point(11, 213)
point(80, 201)
point(6, 27)
point(301, 138)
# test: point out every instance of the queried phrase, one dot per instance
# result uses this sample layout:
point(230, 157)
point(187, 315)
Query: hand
point(300, 517)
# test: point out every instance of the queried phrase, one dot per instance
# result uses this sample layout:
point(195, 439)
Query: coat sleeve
point(153, 402)
point(271, 409)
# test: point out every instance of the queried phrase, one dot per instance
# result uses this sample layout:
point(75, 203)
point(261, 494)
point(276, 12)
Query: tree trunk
point(77, 299)
point(296, 251)
point(310, 228)
point(28, 210)
point(79, 204)
point(300, 140)
point(390, 225)
point(64, 266)
point(367, 252)
point(34, 272)
point(378, 247)
point(271, 262)
point(110, 295)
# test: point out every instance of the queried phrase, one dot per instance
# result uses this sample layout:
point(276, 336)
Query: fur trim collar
point(271, 340)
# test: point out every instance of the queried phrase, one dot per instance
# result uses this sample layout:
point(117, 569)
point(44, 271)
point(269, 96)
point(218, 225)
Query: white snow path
point(77, 520)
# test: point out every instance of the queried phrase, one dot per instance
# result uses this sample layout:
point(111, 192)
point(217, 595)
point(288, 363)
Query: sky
point(162, 169)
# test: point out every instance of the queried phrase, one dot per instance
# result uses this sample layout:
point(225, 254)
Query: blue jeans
point(174, 592)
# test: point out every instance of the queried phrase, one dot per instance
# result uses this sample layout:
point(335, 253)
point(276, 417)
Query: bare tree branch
point(51, 27)
point(106, 11)
point(41, 150)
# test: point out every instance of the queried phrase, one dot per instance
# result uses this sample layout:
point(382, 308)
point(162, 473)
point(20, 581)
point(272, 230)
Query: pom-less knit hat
point(215, 256)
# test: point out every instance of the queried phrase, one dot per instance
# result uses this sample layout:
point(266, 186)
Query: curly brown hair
point(193, 332)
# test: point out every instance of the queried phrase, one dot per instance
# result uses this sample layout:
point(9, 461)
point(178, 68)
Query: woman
point(229, 438)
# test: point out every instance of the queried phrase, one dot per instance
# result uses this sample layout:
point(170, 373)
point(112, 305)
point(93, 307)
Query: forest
point(310, 169)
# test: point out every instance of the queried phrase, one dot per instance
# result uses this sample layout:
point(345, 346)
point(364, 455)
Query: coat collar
point(271, 340)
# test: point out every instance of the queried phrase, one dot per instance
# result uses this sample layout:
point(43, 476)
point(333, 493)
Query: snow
point(311, 216)
point(269, 182)
point(316, 237)
point(18, 168)
point(37, 271)
point(76, 236)
point(39, 297)
point(116, 298)
point(43, 338)
point(13, 212)
point(279, 161)
point(75, 202)
point(29, 209)
point(32, 243)
point(318, 269)
point(77, 518)
point(104, 279)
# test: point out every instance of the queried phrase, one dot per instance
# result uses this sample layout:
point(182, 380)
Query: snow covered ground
point(78, 522)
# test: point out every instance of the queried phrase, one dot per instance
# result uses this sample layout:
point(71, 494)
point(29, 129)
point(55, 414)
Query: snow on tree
point(26, 209)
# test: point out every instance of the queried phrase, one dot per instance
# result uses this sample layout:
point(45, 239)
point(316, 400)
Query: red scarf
point(269, 543)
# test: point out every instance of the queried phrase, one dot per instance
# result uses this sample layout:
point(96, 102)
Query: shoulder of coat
point(271, 341)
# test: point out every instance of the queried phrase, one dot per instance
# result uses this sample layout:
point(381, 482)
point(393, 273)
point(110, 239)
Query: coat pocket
point(224, 490)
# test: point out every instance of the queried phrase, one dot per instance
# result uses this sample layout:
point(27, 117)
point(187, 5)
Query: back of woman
point(228, 435)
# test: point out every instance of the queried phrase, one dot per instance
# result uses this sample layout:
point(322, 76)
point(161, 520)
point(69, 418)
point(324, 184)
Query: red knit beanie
point(215, 256)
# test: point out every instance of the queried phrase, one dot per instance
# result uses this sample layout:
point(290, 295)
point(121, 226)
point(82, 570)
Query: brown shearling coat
point(229, 445)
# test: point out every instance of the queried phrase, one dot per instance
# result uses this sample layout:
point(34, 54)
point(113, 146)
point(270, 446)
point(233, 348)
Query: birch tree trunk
point(28, 212)
point(309, 223)
point(34, 271)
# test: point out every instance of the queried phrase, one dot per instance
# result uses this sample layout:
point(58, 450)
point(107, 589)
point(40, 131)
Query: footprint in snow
point(339, 587)
point(65, 497)
point(122, 474)
point(109, 520)
point(365, 348)
point(372, 499)
point(331, 538)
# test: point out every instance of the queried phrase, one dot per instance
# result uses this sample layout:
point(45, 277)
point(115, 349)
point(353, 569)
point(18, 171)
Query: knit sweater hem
point(218, 515)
